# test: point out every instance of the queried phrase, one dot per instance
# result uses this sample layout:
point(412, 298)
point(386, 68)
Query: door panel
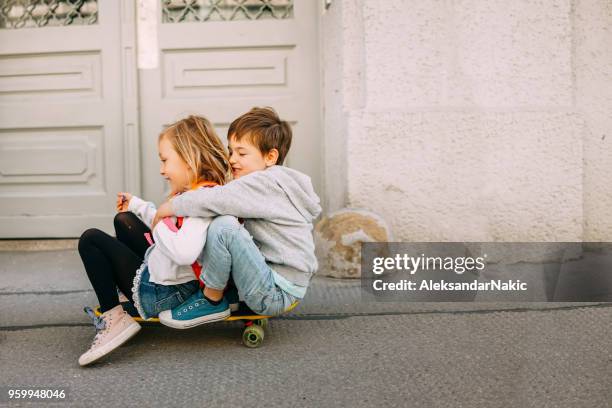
point(62, 118)
point(221, 69)
point(70, 131)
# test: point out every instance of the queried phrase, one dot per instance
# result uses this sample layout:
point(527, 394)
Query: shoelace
point(98, 322)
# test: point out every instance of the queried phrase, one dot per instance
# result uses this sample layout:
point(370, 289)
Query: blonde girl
point(143, 272)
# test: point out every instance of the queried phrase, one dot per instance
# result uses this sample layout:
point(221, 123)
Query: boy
point(270, 256)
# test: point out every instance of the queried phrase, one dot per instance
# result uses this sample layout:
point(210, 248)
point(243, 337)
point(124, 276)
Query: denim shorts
point(150, 299)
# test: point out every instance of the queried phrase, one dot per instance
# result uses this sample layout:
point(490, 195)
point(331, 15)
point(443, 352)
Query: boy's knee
point(222, 223)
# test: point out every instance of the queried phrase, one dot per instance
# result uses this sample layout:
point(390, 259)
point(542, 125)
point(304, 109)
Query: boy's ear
point(271, 157)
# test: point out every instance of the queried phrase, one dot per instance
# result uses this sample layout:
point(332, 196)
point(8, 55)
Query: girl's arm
point(182, 246)
point(144, 210)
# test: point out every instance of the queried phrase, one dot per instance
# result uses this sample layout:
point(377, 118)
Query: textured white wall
point(343, 92)
point(472, 120)
point(593, 76)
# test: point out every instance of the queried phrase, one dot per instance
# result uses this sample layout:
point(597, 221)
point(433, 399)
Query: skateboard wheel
point(261, 322)
point(253, 336)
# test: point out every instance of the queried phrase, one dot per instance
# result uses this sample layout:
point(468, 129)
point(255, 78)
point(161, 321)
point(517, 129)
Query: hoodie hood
point(298, 188)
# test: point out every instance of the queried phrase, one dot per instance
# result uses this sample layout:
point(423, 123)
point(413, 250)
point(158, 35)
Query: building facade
point(453, 120)
point(471, 120)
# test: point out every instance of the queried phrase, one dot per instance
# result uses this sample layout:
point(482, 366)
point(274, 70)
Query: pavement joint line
point(340, 316)
point(49, 292)
point(42, 326)
point(323, 316)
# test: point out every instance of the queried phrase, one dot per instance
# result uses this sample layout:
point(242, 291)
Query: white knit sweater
point(175, 250)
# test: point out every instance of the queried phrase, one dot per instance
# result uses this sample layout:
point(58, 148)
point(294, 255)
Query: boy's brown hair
point(265, 130)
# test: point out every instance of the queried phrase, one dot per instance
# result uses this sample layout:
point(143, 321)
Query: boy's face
point(246, 158)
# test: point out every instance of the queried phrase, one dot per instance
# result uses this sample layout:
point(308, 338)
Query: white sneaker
point(114, 327)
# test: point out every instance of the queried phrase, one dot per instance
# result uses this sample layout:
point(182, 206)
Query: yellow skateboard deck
point(252, 334)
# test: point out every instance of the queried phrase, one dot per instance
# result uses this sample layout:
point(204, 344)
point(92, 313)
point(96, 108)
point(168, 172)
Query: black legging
point(111, 262)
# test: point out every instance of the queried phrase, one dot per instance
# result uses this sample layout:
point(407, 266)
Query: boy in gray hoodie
point(263, 230)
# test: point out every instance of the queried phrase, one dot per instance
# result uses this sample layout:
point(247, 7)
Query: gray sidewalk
point(333, 350)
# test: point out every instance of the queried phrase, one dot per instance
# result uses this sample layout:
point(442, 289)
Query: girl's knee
point(88, 237)
point(123, 220)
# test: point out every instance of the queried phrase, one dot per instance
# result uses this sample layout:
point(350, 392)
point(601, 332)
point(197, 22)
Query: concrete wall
point(343, 92)
point(593, 101)
point(471, 120)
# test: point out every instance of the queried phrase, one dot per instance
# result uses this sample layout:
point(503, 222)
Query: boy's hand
point(164, 210)
point(123, 201)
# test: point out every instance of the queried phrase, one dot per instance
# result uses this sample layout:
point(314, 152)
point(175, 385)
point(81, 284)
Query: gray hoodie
point(278, 206)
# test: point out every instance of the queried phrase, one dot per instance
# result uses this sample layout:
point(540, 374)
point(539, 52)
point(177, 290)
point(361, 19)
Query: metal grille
point(178, 11)
point(47, 13)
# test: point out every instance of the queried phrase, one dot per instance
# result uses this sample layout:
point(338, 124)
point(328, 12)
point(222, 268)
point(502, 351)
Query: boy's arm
point(143, 209)
point(247, 197)
point(182, 246)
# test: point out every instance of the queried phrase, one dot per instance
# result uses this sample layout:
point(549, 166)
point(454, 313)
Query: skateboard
point(253, 332)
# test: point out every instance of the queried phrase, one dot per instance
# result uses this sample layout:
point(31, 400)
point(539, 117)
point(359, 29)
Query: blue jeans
point(230, 248)
point(151, 298)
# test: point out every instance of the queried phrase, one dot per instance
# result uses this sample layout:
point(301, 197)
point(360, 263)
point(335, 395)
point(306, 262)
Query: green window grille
point(47, 13)
point(178, 11)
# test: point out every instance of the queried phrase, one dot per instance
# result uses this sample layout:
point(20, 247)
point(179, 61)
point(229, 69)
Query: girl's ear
point(271, 157)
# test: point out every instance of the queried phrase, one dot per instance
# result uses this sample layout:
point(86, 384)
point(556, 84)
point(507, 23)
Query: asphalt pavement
point(335, 349)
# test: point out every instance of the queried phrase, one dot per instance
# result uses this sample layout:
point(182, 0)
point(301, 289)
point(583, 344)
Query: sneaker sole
point(187, 324)
point(111, 345)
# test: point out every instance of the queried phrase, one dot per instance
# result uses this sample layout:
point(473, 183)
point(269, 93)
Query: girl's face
point(173, 168)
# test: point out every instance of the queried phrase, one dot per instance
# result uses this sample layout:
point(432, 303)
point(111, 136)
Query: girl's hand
point(123, 200)
point(164, 210)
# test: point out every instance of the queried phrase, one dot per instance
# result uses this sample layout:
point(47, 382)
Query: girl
point(161, 276)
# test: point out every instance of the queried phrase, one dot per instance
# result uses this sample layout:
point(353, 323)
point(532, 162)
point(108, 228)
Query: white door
point(220, 58)
point(68, 125)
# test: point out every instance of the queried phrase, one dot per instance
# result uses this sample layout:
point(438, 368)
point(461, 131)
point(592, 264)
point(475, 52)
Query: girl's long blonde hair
point(196, 142)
